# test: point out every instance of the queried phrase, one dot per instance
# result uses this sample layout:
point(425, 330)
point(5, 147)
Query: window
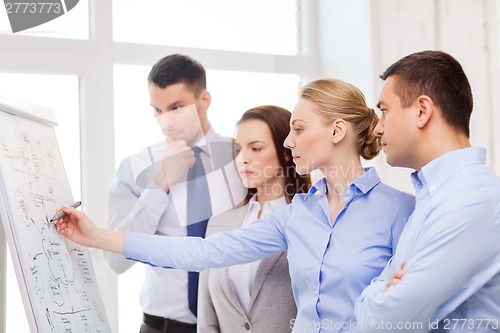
point(260, 26)
point(251, 55)
point(232, 94)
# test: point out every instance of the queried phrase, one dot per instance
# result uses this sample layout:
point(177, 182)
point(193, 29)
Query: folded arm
point(457, 244)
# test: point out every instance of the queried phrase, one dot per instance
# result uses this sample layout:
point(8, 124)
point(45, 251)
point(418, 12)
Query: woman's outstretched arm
point(79, 228)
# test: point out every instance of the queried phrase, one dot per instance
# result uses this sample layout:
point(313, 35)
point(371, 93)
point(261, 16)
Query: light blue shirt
point(330, 264)
point(452, 244)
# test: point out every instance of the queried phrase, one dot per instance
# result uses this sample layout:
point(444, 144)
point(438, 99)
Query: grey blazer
point(272, 305)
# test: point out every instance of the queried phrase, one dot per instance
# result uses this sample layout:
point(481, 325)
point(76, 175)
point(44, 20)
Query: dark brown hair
point(179, 68)
point(439, 76)
point(278, 120)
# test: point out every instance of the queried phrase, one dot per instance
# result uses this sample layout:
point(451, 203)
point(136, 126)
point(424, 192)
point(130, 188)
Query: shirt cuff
point(154, 201)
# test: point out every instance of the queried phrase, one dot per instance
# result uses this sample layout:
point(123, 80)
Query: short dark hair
point(278, 121)
point(179, 68)
point(439, 76)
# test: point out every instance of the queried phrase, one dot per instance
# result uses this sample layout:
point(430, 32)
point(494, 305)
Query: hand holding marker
point(61, 213)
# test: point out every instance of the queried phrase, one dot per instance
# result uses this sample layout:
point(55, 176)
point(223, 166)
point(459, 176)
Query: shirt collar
point(204, 142)
point(272, 204)
point(435, 173)
point(363, 184)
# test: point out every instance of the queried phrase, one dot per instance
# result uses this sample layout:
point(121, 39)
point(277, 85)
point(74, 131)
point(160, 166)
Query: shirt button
point(432, 189)
point(315, 292)
point(247, 326)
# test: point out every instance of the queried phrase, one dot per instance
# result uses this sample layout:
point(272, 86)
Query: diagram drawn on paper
point(56, 275)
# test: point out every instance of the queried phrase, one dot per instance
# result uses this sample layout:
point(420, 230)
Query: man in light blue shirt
point(445, 274)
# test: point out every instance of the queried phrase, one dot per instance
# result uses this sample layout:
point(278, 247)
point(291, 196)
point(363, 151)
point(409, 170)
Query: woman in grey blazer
point(255, 297)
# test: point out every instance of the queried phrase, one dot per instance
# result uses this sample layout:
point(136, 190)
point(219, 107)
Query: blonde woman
point(338, 236)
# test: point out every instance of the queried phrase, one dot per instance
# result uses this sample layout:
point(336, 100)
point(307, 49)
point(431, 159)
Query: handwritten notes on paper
point(56, 277)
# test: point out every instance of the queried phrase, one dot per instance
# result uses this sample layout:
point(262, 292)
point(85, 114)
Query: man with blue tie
point(173, 188)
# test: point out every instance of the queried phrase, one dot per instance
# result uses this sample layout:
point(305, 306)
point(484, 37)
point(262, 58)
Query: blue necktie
point(199, 211)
